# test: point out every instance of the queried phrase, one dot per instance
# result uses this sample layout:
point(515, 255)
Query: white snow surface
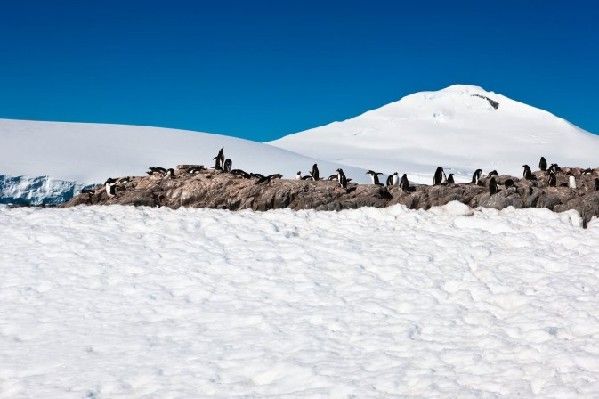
point(121, 302)
point(451, 128)
point(90, 153)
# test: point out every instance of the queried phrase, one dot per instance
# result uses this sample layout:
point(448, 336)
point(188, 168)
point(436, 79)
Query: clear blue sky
point(262, 69)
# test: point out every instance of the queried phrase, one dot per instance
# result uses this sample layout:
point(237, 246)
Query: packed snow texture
point(108, 302)
point(456, 128)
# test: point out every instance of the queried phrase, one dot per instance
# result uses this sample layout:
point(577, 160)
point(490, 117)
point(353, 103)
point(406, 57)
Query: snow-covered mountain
point(43, 160)
point(461, 128)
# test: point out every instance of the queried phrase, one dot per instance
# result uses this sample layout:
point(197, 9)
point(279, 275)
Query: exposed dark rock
point(216, 189)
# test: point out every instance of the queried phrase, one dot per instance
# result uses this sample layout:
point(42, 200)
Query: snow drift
point(136, 302)
point(458, 128)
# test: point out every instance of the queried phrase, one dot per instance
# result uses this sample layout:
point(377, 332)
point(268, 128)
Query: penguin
point(219, 159)
point(332, 177)
point(307, 177)
point(170, 172)
point(298, 175)
point(552, 181)
point(156, 170)
point(374, 176)
point(587, 171)
point(404, 183)
point(509, 183)
point(493, 186)
point(196, 169)
point(341, 179)
point(476, 176)
point(315, 173)
point(555, 168)
point(110, 187)
point(258, 175)
point(393, 180)
point(572, 182)
point(438, 176)
point(242, 173)
point(527, 174)
point(596, 183)
point(88, 191)
point(543, 164)
point(493, 173)
point(450, 179)
point(268, 179)
point(227, 165)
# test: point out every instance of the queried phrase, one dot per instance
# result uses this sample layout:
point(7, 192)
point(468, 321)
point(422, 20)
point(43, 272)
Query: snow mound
point(457, 128)
point(79, 154)
point(139, 302)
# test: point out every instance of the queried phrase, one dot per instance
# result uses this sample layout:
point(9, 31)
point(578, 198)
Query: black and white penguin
point(527, 174)
point(88, 191)
point(315, 173)
point(572, 182)
point(374, 177)
point(195, 169)
point(393, 180)
point(332, 177)
point(110, 187)
point(307, 177)
point(476, 176)
point(587, 171)
point(493, 186)
point(493, 173)
point(258, 175)
point(219, 160)
point(404, 183)
point(227, 165)
point(156, 170)
point(509, 183)
point(555, 168)
point(170, 172)
point(543, 164)
point(341, 178)
point(552, 181)
point(268, 179)
point(450, 179)
point(298, 175)
point(596, 183)
point(438, 176)
point(242, 173)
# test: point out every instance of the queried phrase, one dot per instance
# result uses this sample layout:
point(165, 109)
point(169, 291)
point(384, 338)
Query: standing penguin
point(315, 173)
point(341, 178)
point(476, 176)
point(527, 174)
point(219, 159)
point(393, 180)
point(227, 165)
point(572, 182)
point(374, 176)
point(450, 179)
point(110, 186)
point(552, 181)
point(543, 164)
point(493, 186)
point(438, 176)
point(404, 183)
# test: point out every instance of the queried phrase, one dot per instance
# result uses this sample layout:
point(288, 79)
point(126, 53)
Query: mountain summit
point(460, 127)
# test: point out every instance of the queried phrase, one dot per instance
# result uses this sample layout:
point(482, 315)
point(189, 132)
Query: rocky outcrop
point(213, 189)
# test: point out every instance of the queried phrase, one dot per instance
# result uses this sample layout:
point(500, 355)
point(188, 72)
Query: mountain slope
point(89, 153)
point(457, 128)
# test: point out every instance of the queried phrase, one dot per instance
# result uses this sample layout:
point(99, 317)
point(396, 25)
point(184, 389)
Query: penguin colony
point(224, 165)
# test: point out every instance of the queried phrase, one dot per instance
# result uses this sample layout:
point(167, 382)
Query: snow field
point(105, 302)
